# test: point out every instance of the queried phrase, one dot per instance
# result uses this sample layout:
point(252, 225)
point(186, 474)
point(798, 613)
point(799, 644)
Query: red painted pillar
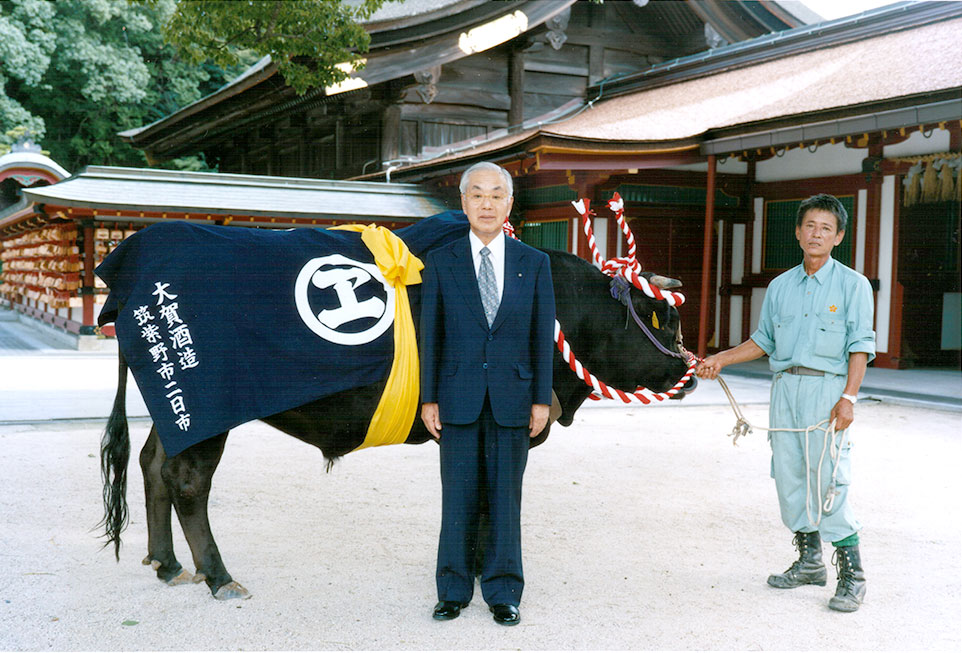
point(706, 259)
point(88, 277)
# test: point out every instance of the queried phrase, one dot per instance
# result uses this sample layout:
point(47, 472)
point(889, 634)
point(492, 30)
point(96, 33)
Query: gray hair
point(486, 165)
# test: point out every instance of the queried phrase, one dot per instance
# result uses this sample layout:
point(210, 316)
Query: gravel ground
point(643, 529)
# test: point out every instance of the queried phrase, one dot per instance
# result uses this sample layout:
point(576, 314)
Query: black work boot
point(851, 580)
point(808, 569)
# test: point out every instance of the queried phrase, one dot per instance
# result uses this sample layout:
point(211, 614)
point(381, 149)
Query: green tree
point(75, 72)
point(312, 42)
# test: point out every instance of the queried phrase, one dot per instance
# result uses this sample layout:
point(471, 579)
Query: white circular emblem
point(358, 302)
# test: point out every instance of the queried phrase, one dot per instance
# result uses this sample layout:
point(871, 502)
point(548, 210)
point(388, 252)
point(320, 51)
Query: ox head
point(599, 325)
point(658, 323)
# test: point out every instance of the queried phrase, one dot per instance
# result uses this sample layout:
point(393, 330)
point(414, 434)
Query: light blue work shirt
point(817, 321)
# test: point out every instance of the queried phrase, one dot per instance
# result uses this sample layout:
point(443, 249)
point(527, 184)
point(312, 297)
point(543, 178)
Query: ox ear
point(555, 411)
point(665, 283)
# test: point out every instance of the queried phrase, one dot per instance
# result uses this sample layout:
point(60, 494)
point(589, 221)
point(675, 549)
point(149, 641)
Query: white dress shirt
point(496, 247)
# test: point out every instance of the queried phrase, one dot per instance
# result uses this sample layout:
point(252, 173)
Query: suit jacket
point(462, 359)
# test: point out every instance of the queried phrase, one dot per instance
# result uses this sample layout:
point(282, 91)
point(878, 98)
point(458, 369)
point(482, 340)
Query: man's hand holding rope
point(712, 366)
point(842, 414)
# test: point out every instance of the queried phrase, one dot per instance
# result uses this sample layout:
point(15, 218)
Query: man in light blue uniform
point(816, 328)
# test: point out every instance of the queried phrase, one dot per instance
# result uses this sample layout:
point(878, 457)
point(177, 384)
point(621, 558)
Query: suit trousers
point(479, 461)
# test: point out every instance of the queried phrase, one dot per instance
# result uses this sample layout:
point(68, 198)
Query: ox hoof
point(232, 590)
point(182, 578)
point(154, 564)
point(199, 577)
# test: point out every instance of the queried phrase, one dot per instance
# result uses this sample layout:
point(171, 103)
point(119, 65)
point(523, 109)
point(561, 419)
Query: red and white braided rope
point(601, 389)
point(617, 206)
point(628, 266)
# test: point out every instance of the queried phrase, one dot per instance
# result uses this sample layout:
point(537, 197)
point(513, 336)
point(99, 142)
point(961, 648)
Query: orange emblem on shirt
point(833, 308)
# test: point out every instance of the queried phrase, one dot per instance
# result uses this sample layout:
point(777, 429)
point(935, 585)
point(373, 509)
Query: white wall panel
point(600, 227)
point(826, 161)
point(883, 308)
point(861, 220)
point(738, 273)
point(758, 296)
point(917, 144)
point(757, 235)
point(720, 233)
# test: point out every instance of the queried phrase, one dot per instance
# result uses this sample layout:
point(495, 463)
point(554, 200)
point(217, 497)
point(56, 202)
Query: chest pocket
point(830, 335)
point(784, 337)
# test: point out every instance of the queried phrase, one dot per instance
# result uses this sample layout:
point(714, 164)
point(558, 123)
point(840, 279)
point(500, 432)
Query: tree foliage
point(75, 72)
point(312, 42)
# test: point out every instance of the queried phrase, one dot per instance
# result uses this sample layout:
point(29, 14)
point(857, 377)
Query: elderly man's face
point(818, 233)
point(486, 203)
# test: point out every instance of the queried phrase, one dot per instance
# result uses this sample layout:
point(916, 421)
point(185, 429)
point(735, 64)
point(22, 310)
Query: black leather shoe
point(447, 610)
point(506, 615)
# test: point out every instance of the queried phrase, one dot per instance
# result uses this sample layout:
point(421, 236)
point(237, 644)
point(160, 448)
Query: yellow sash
point(399, 402)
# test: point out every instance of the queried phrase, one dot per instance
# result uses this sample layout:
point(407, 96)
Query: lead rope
point(744, 427)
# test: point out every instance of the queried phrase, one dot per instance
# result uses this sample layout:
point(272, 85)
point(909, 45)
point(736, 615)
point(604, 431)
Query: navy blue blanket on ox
point(223, 325)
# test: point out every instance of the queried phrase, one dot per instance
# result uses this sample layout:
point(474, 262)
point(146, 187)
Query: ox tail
point(114, 455)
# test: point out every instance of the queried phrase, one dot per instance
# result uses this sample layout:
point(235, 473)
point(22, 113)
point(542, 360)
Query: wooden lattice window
point(548, 235)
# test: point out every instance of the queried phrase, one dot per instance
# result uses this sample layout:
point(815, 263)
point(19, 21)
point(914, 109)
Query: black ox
point(596, 325)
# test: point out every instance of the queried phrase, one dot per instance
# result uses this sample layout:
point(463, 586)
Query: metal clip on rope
point(742, 426)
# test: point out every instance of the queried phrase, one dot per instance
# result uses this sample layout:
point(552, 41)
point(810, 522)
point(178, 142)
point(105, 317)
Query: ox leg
point(160, 542)
point(188, 478)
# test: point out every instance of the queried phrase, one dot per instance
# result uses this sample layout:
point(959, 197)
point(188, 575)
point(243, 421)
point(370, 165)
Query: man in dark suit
point(486, 343)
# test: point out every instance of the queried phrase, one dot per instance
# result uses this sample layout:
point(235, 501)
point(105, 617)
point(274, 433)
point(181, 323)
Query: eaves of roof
point(547, 151)
point(260, 71)
point(265, 67)
point(382, 65)
point(32, 161)
point(926, 109)
point(400, 15)
point(437, 19)
point(129, 191)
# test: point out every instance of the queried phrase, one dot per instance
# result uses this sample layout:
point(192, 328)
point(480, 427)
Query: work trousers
point(480, 461)
point(798, 402)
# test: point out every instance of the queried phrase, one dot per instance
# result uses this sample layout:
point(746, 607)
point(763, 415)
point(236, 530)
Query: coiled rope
point(744, 427)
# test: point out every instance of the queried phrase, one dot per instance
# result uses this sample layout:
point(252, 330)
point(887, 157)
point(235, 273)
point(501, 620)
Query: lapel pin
point(519, 274)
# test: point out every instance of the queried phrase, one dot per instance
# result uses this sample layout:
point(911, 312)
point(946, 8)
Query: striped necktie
point(488, 286)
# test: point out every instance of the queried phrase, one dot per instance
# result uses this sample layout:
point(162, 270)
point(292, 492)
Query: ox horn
point(665, 283)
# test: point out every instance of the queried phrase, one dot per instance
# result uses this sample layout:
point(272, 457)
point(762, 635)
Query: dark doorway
point(928, 270)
